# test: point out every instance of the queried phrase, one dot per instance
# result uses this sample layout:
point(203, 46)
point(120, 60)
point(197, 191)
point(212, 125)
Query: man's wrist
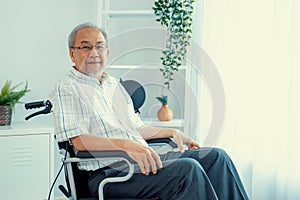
point(174, 132)
point(119, 144)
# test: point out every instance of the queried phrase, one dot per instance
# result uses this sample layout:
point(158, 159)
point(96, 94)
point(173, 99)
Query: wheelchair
point(76, 179)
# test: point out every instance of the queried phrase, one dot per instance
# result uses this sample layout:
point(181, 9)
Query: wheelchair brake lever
point(64, 190)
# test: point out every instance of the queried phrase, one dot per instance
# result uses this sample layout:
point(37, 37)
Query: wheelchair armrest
point(85, 156)
point(103, 154)
point(163, 140)
point(93, 154)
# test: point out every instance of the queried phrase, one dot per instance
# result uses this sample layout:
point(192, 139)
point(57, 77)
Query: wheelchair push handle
point(38, 104)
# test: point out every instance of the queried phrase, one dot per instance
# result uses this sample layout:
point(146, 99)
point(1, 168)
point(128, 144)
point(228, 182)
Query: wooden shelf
point(172, 123)
point(129, 13)
point(139, 67)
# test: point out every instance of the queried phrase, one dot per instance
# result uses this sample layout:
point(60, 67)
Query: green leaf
point(9, 96)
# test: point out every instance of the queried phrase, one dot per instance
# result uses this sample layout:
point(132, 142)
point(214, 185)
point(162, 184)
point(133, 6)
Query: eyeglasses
point(88, 48)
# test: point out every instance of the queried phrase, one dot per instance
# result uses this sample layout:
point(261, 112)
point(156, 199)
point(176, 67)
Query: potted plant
point(164, 113)
point(8, 99)
point(176, 16)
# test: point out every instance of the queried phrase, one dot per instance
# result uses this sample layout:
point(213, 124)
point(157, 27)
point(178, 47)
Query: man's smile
point(93, 62)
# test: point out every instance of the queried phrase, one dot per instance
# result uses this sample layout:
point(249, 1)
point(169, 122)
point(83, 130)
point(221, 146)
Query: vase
point(5, 115)
point(164, 113)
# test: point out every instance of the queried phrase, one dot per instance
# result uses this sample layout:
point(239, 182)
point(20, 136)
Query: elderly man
point(93, 111)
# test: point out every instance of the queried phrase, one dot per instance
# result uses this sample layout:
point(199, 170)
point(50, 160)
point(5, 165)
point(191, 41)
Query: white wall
point(34, 45)
point(34, 42)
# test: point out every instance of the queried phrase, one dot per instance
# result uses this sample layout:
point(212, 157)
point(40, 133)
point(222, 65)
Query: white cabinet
point(26, 162)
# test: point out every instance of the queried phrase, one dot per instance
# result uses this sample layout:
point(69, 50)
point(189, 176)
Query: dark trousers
point(205, 173)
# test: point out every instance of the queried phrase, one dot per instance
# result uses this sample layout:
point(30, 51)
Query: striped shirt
point(83, 105)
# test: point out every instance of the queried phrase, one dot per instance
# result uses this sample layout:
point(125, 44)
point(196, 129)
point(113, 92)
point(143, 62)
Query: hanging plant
point(176, 16)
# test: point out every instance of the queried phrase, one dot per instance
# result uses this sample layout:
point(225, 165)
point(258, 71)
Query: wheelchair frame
point(72, 157)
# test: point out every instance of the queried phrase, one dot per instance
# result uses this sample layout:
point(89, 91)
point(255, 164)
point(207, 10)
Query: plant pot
point(164, 113)
point(5, 115)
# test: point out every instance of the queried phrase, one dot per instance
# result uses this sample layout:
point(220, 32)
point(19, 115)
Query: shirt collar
point(88, 79)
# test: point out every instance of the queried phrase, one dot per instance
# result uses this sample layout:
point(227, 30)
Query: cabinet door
point(25, 166)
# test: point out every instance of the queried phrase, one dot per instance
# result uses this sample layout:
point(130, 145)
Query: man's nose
point(94, 52)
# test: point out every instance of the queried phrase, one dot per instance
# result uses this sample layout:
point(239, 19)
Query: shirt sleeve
point(70, 112)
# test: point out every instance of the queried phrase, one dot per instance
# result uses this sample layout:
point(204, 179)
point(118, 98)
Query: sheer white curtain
point(255, 46)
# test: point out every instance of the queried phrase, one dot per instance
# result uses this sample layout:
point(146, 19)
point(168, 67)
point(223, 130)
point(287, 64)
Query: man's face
point(89, 52)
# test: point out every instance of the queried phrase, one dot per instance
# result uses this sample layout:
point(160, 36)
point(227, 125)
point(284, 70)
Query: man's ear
point(71, 53)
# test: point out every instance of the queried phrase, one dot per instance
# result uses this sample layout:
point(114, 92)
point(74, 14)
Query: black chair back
point(136, 92)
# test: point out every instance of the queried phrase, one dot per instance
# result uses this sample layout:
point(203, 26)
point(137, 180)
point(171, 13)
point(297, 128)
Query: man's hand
point(146, 158)
point(181, 140)
point(151, 132)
